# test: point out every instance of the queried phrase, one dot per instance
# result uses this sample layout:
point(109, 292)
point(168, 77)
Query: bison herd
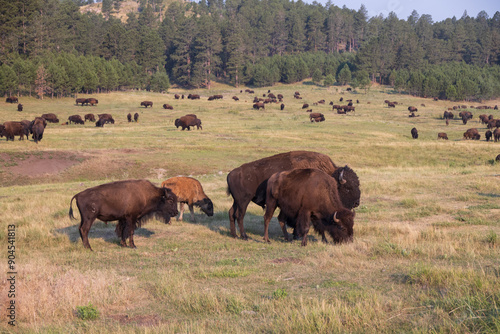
point(307, 186)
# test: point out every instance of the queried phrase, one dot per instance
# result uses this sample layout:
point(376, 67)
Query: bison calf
point(442, 135)
point(189, 191)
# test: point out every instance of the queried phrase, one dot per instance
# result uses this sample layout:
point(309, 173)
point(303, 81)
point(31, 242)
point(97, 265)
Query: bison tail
point(71, 216)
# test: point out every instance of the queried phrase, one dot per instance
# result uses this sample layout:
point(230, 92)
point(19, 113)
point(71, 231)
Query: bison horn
point(335, 219)
point(341, 177)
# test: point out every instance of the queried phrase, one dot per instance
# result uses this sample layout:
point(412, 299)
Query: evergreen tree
point(41, 81)
point(160, 82)
point(344, 76)
point(329, 80)
point(207, 47)
point(317, 76)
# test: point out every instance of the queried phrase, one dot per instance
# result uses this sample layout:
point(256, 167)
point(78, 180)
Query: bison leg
point(304, 222)
point(282, 221)
point(181, 209)
point(271, 205)
point(237, 212)
point(84, 229)
point(121, 232)
point(191, 209)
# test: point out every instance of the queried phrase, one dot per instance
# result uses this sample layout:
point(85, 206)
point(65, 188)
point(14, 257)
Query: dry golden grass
point(425, 256)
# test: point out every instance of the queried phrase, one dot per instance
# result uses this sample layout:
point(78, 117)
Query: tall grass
point(425, 256)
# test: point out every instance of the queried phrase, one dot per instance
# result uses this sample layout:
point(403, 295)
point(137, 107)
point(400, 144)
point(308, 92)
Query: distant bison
point(259, 105)
point(77, 119)
point(89, 117)
point(147, 104)
point(129, 117)
point(316, 117)
point(19, 107)
point(488, 134)
point(80, 101)
point(472, 134)
point(136, 117)
point(12, 99)
point(51, 118)
point(307, 196)
point(235, 98)
point(414, 133)
point(189, 191)
point(37, 128)
point(412, 109)
point(496, 134)
point(282, 106)
point(168, 106)
point(176, 96)
point(10, 129)
point(442, 135)
point(130, 202)
point(305, 106)
point(187, 121)
point(103, 119)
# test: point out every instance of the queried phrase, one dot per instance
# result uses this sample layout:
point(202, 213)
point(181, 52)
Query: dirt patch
point(37, 164)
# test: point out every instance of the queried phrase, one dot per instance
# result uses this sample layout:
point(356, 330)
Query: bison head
point(348, 186)
point(341, 229)
point(206, 206)
point(167, 207)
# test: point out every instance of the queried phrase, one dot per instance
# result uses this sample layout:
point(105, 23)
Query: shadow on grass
point(100, 230)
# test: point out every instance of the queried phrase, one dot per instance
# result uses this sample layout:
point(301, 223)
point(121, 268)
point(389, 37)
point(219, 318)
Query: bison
point(136, 117)
point(496, 134)
point(249, 181)
point(235, 98)
point(103, 119)
point(130, 202)
point(282, 106)
point(316, 117)
point(442, 135)
point(391, 105)
point(189, 191)
point(11, 129)
point(414, 133)
point(19, 107)
point(89, 117)
point(412, 109)
point(305, 106)
point(80, 100)
point(147, 104)
point(37, 128)
point(77, 119)
point(176, 96)
point(168, 106)
point(472, 134)
point(307, 196)
point(488, 134)
point(259, 105)
point(187, 121)
point(51, 118)
point(12, 99)
point(129, 117)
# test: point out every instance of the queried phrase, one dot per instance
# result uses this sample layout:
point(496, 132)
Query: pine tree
point(345, 75)
point(317, 76)
point(41, 81)
point(207, 47)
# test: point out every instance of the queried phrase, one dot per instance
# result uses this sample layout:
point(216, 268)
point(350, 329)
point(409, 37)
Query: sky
point(438, 9)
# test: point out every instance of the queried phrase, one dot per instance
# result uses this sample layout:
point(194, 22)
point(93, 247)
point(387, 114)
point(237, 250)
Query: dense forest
point(49, 47)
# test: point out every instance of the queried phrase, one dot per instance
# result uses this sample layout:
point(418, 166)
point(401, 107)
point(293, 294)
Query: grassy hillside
point(425, 255)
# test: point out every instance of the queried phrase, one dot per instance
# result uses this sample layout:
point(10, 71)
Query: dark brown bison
point(12, 99)
point(80, 100)
point(235, 98)
point(412, 109)
point(189, 191)
point(305, 106)
point(187, 121)
point(103, 119)
point(19, 107)
point(92, 101)
point(349, 89)
point(307, 196)
point(168, 106)
point(193, 97)
point(11, 129)
point(176, 96)
point(442, 135)
point(448, 115)
point(130, 202)
point(414, 133)
point(282, 106)
point(316, 117)
point(77, 119)
point(488, 134)
point(136, 117)
point(147, 104)
point(259, 105)
point(51, 118)
point(391, 105)
point(37, 128)
point(472, 134)
point(249, 181)
point(129, 117)
point(89, 117)
point(496, 134)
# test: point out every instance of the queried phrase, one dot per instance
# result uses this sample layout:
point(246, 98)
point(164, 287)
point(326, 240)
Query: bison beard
point(130, 202)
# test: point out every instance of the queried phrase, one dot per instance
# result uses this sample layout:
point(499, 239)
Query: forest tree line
point(51, 48)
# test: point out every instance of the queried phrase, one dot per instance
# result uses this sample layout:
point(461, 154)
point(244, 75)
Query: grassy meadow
point(426, 250)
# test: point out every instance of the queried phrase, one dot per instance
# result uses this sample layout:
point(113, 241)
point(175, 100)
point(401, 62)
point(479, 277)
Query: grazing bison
point(130, 202)
point(80, 100)
point(282, 106)
point(176, 96)
point(168, 106)
point(307, 196)
point(37, 127)
point(235, 98)
point(92, 101)
point(249, 181)
point(442, 135)
point(448, 115)
point(391, 105)
point(187, 121)
point(496, 134)
point(12, 99)
point(472, 134)
point(147, 104)
point(89, 117)
point(189, 191)
point(136, 117)
point(259, 105)
point(11, 129)
point(305, 106)
point(129, 117)
point(414, 133)
point(488, 134)
point(103, 119)
point(412, 109)
point(77, 119)
point(316, 117)
point(51, 118)
point(19, 107)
